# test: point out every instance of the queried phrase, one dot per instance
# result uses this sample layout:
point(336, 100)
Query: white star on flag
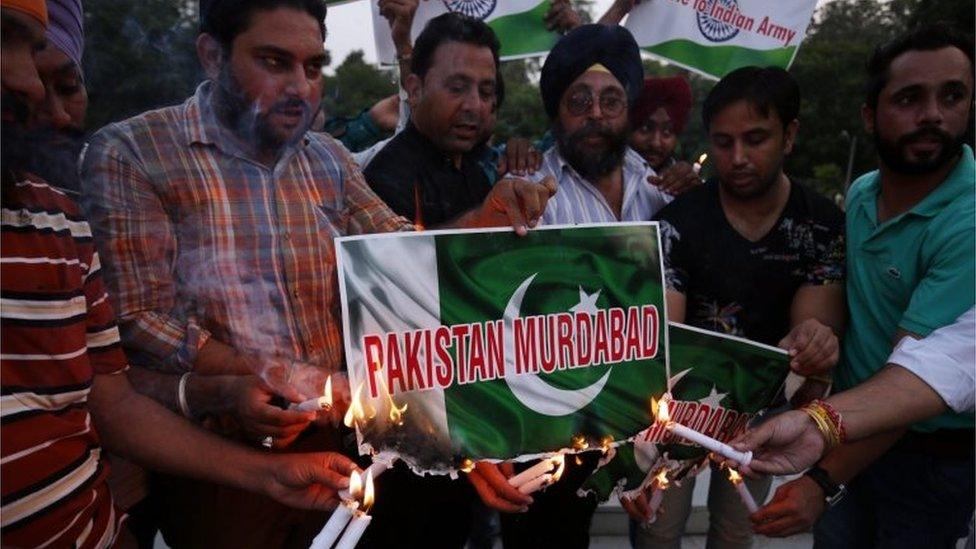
point(714, 398)
point(587, 302)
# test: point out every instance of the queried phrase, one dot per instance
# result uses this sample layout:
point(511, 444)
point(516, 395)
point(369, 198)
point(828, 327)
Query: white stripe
point(25, 402)
point(104, 338)
point(33, 309)
point(43, 220)
point(33, 449)
point(85, 533)
point(50, 540)
point(44, 260)
point(51, 494)
point(37, 185)
point(99, 301)
point(63, 356)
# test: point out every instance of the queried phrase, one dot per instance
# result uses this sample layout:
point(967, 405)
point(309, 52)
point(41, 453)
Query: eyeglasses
point(612, 103)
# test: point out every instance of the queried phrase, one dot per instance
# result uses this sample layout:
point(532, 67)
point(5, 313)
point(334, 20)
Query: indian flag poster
point(517, 23)
point(719, 384)
point(715, 37)
point(480, 344)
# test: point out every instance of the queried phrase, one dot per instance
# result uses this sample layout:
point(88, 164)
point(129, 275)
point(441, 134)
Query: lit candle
point(743, 490)
point(545, 479)
point(533, 472)
point(341, 516)
point(657, 495)
point(743, 458)
point(360, 520)
point(697, 166)
point(323, 402)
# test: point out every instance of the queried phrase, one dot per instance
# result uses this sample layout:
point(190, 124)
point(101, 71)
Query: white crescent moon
point(534, 393)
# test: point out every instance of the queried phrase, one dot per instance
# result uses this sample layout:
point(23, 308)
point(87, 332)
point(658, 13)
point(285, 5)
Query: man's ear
point(789, 136)
point(211, 55)
point(415, 90)
point(867, 118)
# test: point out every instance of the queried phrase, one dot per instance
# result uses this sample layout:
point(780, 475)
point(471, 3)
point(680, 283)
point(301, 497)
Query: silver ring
point(267, 442)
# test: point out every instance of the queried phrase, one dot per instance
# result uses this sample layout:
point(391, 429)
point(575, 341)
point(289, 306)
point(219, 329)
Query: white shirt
point(945, 360)
point(578, 201)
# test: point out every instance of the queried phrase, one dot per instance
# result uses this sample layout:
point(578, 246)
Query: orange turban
point(34, 8)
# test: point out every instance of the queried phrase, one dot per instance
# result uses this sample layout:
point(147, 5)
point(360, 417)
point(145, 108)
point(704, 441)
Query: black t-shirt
point(411, 170)
point(744, 288)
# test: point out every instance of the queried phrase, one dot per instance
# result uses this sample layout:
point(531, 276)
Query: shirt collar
point(959, 181)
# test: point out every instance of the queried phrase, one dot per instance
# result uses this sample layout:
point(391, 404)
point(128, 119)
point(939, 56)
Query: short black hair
point(225, 19)
point(925, 38)
point(762, 87)
point(456, 27)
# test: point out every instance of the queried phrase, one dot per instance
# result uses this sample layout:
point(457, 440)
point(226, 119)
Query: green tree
point(356, 85)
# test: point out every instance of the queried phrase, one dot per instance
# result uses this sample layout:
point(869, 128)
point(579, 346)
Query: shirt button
point(295, 293)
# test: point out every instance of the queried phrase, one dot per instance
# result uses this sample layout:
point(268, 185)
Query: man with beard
point(752, 253)
point(66, 396)
point(216, 221)
point(910, 230)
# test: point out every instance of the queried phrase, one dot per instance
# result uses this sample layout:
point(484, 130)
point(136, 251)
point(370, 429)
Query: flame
point(418, 217)
point(702, 158)
point(467, 465)
point(659, 409)
point(368, 494)
point(396, 412)
point(606, 443)
point(734, 476)
point(579, 442)
point(560, 463)
point(355, 413)
point(355, 484)
point(327, 392)
point(661, 479)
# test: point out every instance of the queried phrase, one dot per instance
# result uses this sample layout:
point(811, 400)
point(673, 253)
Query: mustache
point(291, 104)
point(924, 134)
point(592, 129)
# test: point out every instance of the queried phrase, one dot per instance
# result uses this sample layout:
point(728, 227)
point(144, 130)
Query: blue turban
point(65, 28)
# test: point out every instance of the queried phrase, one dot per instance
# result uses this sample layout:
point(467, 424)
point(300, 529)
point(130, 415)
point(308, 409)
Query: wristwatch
point(833, 493)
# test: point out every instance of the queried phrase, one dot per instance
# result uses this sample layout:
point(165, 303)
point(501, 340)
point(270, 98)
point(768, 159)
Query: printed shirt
point(201, 240)
point(578, 201)
point(738, 287)
point(915, 272)
point(58, 331)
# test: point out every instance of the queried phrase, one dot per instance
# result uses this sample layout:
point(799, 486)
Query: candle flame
point(396, 412)
point(355, 413)
point(659, 408)
point(355, 485)
point(368, 494)
point(467, 465)
point(579, 442)
point(560, 462)
point(734, 476)
point(702, 158)
point(606, 443)
point(661, 479)
point(327, 392)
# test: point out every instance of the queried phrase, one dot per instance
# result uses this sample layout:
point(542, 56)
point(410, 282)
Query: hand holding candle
point(662, 415)
point(323, 402)
point(697, 166)
point(660, 485)
point(743, 491)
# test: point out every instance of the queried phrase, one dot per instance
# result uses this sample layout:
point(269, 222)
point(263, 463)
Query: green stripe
point(720, 60)
point(524, 33)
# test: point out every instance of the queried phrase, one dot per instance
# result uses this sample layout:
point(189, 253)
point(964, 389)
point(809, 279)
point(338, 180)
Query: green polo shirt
point(915, 272)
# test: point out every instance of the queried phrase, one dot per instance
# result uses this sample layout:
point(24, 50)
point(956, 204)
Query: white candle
point(374, 470)
point(697, 166)
point(532, 473)
point(746, 497)
point(655, 503)
point(535, 484)
point(742, 458)
point(337, 522)
point(311, 405)
point(354, 531)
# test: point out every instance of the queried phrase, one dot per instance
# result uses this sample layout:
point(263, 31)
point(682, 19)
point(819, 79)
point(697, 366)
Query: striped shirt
point(201, 240)
point(578, 201)
point(58, 331)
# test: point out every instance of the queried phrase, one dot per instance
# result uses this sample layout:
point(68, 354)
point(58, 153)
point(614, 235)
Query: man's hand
point(813, 347)
point(795, 508)
point(260, 418)
point(782, 445)
point(517, 202)
point(493, 487)
point(520, 157)
point(561, 17)
point(617, 11)
point(306, 481)
point(400, 14)
point(386, 113)
point(677, 179)
point(637, 508)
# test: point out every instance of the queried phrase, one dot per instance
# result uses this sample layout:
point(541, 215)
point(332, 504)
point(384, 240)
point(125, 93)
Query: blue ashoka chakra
point(479, 9)
point(712, 28)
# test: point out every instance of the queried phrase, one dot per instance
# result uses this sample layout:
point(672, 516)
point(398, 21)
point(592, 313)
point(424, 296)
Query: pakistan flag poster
point(486, 345)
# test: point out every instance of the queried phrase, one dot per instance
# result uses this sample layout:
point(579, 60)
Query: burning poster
point(718, 385)
point(485, 345)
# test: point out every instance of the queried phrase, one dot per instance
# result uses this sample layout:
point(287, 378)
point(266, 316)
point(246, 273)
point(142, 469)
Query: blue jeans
point(902, 500)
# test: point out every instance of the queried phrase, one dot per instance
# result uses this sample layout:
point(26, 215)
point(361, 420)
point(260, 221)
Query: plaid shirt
point(200, 240)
